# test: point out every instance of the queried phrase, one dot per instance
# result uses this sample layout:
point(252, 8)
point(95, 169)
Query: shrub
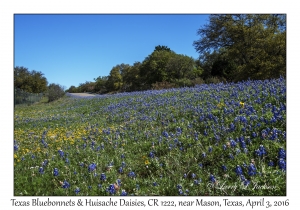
point(198, 81)
point(184, 82)
point(163, 85)
point(215, 80)
point(55, 92)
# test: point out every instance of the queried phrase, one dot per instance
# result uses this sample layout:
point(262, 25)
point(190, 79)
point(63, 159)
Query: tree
point(255, 43)
point(29, 81)
point(131, 77)
point(161, 48)
point(115, 78)
point(154, 67)
point(55, 92)
point(100, 84)
point(181, 66)
point(72, 89)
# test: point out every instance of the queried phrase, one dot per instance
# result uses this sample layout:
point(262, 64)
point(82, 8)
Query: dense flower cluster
point(181, 141)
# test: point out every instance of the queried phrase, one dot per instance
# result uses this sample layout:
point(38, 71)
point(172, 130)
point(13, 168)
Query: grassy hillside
point(222, 139)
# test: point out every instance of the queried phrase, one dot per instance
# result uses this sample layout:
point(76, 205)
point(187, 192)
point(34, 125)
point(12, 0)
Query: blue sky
point(72, 49)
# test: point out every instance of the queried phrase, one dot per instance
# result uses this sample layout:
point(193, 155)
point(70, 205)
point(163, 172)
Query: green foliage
point(163, 85)
point(100, 84)
point(254, 46)
point(214, 80)
point(154, 67)
point(23, 97)
point(189, 131)
point(161, 48)
point(115, 80)
point(72, 89)
point(55, 92)
point(131, 77)
point(29, 81)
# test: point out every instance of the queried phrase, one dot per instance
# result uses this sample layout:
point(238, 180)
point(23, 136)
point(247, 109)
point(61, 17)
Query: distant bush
point(163, 85)
point(55, 92)
point(184, 82)
point(215, 80)
point(198, 81)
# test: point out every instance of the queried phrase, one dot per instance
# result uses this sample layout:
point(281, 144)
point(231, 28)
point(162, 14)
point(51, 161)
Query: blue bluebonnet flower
point(271, 163)
point(224, 147)
point(102, 177)
point(32, 156)
point(232, 127)
point(81, 164)
point(184, 175)
point(75, 172)
point(123, 164)
point(262, 149)
point(111, 189)
point(45, 162)
point(200, 165)
point(238, 170)
point(193, 175)
point(203, 154)
point(178, 131)
point(137, 187)
point(122, 156)
point(124, 193)
point(251, 170)
point(41, 170)
point(120, 170)
point(16, 147)
point(231, 156)
point(196, 182)
point(165, 134)
point(90, 187)
point(224, 168)
point(180, 192)
point(67, 160)
point(243, 144)
point(258, 152)
point(246, 182)
point(119, 182)
point(61, 153)
point(232, 143)
point(212, 178)
point(99, 185)
point(131, 174)
point(151, 154)
point(55, 172)
point(65, 185)
point(210, 149)
point(77, 190)
point(92, 167)
point(282, 164)
point(281, 153)
point(154, 184)
point(179, 186)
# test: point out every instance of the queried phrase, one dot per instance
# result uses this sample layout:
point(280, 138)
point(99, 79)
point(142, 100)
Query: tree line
point(35, 82)
point(231, 48)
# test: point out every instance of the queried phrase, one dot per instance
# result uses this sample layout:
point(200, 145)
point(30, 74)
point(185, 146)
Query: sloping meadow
point(218, 139)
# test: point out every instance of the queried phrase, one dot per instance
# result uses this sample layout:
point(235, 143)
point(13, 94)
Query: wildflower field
point(209, 140)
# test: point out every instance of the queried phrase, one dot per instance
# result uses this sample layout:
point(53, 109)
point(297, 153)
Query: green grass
point(175, 126)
